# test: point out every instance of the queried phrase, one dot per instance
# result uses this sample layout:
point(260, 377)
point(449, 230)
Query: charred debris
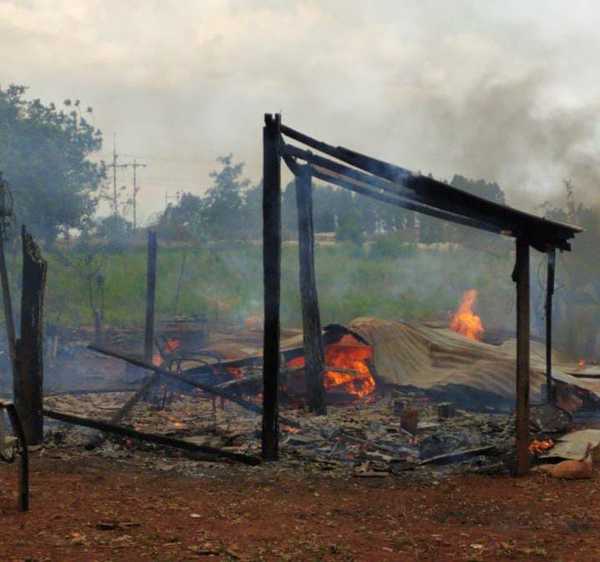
point(375, 396)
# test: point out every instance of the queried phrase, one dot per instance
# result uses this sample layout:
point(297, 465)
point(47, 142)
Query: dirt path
point(92, 510)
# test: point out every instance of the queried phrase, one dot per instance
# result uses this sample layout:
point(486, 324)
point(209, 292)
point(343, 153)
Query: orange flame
point(350, 356)
point(235, 372)
point(172, 345)
point(539, 446)
point(581, 363)
point(465, 321)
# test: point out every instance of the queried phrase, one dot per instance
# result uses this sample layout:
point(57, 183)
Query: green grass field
point(226, 283)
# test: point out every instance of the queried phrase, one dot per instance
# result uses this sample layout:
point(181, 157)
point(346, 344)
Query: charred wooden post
point(272, 284)
point(314, 355)
point(522, 429)
point(8, 310)
point(150, 297)
point(5, 213)
point(24, 454)
point(551, 264)
point(28, 386)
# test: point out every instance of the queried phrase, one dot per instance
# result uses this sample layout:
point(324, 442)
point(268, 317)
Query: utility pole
point(135, 166)
point(114, 166)
point(175, 197)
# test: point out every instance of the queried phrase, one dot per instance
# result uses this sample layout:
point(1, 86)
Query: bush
point(391, 246)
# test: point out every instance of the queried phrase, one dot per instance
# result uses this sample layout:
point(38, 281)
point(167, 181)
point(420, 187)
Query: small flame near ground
point(537, 447)
point(351, 358)
point(465, 321)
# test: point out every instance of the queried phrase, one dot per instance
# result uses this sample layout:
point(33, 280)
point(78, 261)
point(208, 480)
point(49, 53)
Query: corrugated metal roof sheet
point(412, 354)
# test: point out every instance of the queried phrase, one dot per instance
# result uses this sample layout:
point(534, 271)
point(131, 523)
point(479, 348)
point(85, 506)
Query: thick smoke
point(506, 131)
point(497, 91)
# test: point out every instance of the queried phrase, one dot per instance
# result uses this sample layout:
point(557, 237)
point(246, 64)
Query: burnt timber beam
point(541, 232)
point(150, 297)
point(314, 354)
point(521, 277)
point(8, 311)
point(216, 390)
point(151, 437)
point(363, 180)
point(272, 284)
point(124, 410)
point(28, 386)
point(550, 277)
point(179, 377)
point(328, 175)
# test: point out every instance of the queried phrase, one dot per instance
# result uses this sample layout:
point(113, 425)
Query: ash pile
point(403, 399)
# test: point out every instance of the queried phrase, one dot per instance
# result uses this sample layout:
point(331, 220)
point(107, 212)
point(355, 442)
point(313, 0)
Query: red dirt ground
point(93, 510)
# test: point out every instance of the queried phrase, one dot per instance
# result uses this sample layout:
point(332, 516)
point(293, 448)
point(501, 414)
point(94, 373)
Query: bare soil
point(93, 509)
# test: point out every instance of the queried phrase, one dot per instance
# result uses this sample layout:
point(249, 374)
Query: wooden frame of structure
point(396, 186)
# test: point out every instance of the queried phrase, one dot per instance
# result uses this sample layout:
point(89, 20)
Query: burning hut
point(396, 186)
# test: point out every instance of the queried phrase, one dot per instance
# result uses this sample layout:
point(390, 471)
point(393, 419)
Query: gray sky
point(505, 90)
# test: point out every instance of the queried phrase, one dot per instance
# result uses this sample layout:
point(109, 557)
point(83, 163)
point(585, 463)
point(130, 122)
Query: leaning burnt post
point(272, 284)
point(150, 298)
point(5, 215)
point(28, 386)
point(311, 319)
point(521, 277)
point(551, 257)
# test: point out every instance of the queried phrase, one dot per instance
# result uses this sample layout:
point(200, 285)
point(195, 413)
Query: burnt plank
point(522, 390)
point(151, 437)
point(272, 284)
point(541, 232)
point(314, 354)
point(28, 386)
point(550, 277)
point(150, 297)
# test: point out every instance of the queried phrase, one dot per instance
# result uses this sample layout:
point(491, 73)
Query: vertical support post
point(6, 298)
point(314, 354)
point(24, 453)
point(551, 265)
point(272, 284)
point(8, 311)
point(28, 387)
point(150, 297)
point(522, 391)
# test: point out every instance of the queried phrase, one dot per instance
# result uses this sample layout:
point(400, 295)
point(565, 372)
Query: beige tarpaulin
point(573, 445)
point(414, 354)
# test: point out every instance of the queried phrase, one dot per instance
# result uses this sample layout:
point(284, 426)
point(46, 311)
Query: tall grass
point(226, 283)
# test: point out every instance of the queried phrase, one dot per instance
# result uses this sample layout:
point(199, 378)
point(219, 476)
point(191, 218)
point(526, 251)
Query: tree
point(224, 201)
point(115, 230)
point(349, 229)
point(44, 155)
point(182, 221)
point(488, 190)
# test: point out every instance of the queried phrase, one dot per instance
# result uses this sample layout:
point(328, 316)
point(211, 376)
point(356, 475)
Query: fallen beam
point(124, 410)
point(215, 390)
point(83, 392)
point(365, 187)
point(151, 438)
point(457, 456)
point(182, 378)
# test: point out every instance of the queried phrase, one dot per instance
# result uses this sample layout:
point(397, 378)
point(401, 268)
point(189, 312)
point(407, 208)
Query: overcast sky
point(504, 90)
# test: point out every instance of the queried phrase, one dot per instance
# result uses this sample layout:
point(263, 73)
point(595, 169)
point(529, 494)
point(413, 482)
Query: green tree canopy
point(44, 156)
point(223, 204)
